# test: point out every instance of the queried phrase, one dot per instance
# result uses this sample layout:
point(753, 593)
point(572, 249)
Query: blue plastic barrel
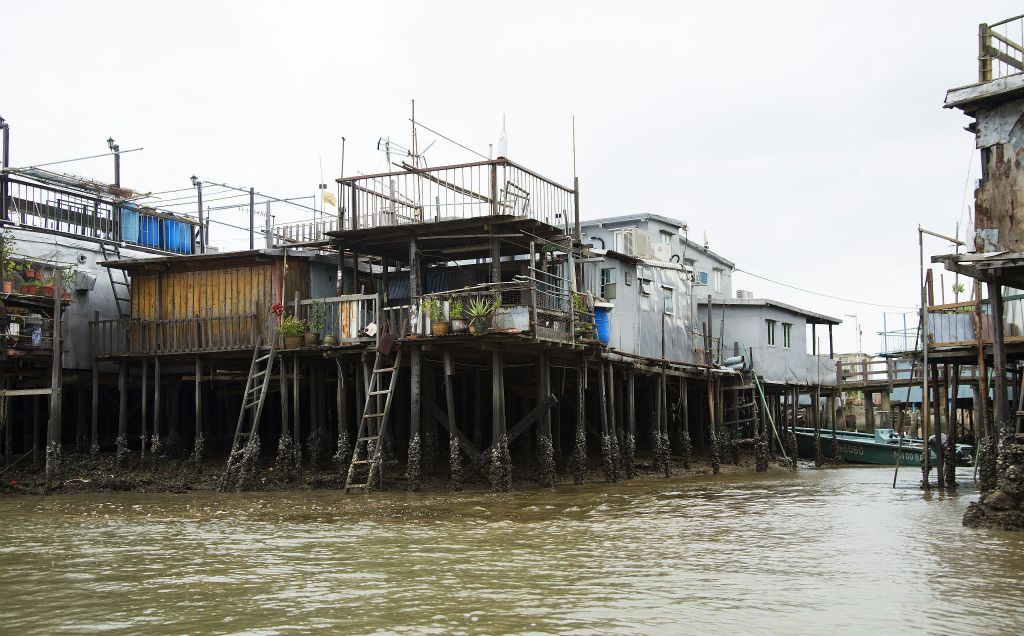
point(130, 222)
point(149, 231)
point(602, 318)
point(176, 236)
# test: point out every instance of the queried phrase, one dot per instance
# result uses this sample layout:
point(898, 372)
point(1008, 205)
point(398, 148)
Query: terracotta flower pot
point(48, 291)
point(65, 296)
point(30, 274)
point(28, 290)
point(7, 286)
point(439, 328)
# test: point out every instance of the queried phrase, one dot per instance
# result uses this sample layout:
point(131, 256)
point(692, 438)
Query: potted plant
point(455, 312)
point(30, 272)
point(47, 287)
point(317, 318)
point(478, 310)
point(67, 282)
point(292, 330)
point(6, 249)
point(438, 325)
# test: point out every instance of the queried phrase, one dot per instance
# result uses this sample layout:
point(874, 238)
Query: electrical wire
point(418, 124)
point(814, 293)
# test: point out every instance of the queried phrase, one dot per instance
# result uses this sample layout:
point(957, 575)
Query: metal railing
point(344, 317)
point(889, 372)
point(1000, 49)
point(472, 190)
point(81, 215)
point(186, 335)
point(520, 306)
point(303, 231)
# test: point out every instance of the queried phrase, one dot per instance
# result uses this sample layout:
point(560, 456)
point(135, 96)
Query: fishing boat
point(880, 448)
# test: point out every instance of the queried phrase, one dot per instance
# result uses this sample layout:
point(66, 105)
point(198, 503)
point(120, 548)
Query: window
point(787, 335)
point(624, 241)
point(629, 277)
point(646, 282)
point(666, 237)
point(718, 281)
point(771, 332)
point(669, 301)
point(608, 283)
point(702, 277)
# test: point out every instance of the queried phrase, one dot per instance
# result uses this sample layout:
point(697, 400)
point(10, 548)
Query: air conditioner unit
point(662, 252)
point(634, 242)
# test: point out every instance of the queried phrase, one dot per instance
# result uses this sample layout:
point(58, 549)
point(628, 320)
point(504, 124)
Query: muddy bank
point(92, 473)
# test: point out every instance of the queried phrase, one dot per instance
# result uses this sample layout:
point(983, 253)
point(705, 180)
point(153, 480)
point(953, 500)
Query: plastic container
point(176, 236)
point(34, 330)
point(130, 222)
point(602, 317)
point(149, 231)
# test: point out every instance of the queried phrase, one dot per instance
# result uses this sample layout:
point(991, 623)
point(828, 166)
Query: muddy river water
point(832, 550)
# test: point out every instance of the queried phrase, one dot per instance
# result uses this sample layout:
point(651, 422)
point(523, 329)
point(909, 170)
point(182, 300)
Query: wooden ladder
point(123, 301)
point(373, 424)
point(257, 385)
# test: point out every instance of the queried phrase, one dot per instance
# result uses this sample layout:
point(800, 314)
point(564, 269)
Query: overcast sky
point(808, 140)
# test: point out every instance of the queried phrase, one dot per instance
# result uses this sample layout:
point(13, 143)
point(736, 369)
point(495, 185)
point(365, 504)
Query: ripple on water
point(722, 554)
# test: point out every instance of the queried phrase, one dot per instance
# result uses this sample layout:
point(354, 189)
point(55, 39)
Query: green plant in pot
point(6, 249)
point(479, 310)
point(67, 282)
point(317, 320)
point(456, 313)
point(431, 305)
point(292, 330)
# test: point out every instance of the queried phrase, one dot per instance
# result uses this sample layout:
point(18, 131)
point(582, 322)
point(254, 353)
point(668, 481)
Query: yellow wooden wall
point(251, 288)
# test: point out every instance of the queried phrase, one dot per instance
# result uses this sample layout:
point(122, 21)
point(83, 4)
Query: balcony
point(83, 215)
point(465, 191)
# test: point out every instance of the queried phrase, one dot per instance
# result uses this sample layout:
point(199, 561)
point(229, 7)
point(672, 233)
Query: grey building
point(650, 306)
point(644, 235)
point(775, 338)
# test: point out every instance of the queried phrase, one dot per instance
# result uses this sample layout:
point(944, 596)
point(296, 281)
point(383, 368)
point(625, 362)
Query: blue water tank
point(176, 236)
point(603, 319)
point(130, 222)
point(149, 231)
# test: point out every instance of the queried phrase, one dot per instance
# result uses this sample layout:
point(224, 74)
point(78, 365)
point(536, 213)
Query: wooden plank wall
point(221, 292)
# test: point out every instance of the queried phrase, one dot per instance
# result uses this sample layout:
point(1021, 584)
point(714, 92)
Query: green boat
point(879, 448)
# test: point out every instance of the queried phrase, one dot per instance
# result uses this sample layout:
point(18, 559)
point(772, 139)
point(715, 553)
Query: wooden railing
point(888, 371)
point(999, 54)
point(187, 335)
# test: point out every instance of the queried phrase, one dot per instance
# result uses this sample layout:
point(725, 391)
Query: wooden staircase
point(257, 385)
point(366, 469)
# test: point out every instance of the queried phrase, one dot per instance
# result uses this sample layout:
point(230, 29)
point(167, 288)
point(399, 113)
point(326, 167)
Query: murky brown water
point(834, 550)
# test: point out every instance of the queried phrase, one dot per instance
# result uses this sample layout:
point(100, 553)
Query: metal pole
point(5, 162)
point(117, 166)
point(252, 218)
point(925, 458)
point(202, 223)
point(270, 236)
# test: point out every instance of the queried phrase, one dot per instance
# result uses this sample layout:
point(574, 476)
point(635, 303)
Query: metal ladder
point(257, 386)
point(373, 423)
point(122, 302)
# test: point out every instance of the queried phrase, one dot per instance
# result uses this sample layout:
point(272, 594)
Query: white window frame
point(771, 331)
point(787, 335)
point(718, 280)
point(669, 299)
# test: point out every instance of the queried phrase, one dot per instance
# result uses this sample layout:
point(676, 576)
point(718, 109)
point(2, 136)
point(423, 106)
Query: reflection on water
point(766, 554)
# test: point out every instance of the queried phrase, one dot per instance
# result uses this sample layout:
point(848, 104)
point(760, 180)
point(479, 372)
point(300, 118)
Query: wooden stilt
point(545, 446)
point(144, 424)
point(157, 406)
point(94, 446)
point(579, 453)
point(501, 462)
point(122, 412)
point(296, 412)
point(414, 466)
